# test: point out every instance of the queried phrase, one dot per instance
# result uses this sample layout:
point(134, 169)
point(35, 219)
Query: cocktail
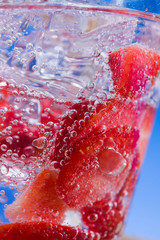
point(79, 90)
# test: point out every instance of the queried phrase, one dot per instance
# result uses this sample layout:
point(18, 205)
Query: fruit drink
point(79, 89)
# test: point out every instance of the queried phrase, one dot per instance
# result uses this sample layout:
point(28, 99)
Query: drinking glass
point(79, 88)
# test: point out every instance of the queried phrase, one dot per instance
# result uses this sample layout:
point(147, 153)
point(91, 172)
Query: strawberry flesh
point(104, 217)
point(38, 201)
point(43, 230)
point(134, 69)
point(86, 117)
point(90, 173)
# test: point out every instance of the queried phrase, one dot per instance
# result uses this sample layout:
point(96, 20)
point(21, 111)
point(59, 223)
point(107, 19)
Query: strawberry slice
point(39, 201)
point(86, 116)
point(42, 230)
point(134, 69)
point(104, 217)
point(98, 166)
point(71, 125)
point(16, 135)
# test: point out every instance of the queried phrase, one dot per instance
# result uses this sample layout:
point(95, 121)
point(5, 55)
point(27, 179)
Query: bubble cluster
point(28, 124)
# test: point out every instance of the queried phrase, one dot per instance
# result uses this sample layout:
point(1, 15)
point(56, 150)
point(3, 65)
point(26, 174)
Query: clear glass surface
point(79, 91)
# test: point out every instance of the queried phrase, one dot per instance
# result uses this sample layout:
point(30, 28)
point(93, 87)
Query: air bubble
point(16, 195)
point(32, 110)
point(67, 153)
point(31, 104)
point(2, 192)
point(4, 147)
point(29, 151)
point(56, 213)
point(9, 128)
point(23, 60)
point(9, 42)
point(14, 156)
point(39, 143)
point(39, 49)
point(9, 152)
point(29, 46)
point(86, 118)
point(62, 163)
point(12, 185)
point(111, 162)
point(25, 130)
point(91, 86)
point(17, 100)
point(23, 156)
point(20, 187)
point(61, 132)
point(61, 196)
point(3, 199)
point(55, 164)
point(14, 92)
point(47, 110)
point(65, 139)
point(92, 217)
point(2, 112)
point(50, 125)
point(21, 93)
point(81, 122)
point(19, 34)
point(4, 156)
point(24, 100)
point(43, 66)
point(4, 170)
point(35, 68)
point(16, 138)
point(73, 134)
point(9, 140)
point(15, 122)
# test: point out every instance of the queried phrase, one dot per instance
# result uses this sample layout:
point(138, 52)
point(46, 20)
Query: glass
point(79, 91)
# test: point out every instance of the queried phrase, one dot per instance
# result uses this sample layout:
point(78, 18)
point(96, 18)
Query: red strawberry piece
point(71, 124)
point(17, 139)
point(104, 217)
point(38, 201)
point(16, 142)
point(16, 135)
point(86, 116)
point(43, 230)
point(134, 69)
point(98, 165)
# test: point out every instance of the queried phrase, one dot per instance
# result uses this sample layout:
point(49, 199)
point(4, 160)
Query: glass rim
point(78, 5)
